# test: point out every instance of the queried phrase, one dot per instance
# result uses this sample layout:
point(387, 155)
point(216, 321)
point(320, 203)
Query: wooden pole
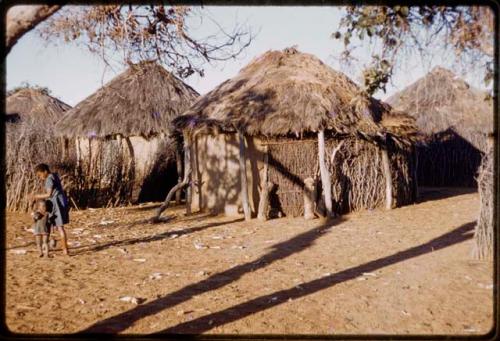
point(243, 176)
point(185, 181)
point(189, 189)
point(178, 160)
point(386, 167)
point(309, 198)
point(266, 188)
point(325, 174)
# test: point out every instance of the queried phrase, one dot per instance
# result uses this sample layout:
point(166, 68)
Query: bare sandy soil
point(406, 271)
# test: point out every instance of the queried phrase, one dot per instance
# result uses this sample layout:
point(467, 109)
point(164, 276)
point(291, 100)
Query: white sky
point(72, 73)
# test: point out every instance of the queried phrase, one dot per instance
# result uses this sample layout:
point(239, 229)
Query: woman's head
point(42, 170)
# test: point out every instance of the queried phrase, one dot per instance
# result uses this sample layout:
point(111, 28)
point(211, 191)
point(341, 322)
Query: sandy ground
point(403, 271)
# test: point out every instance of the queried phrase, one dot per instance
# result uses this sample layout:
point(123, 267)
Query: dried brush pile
point(455, 119)
point(483, 237)
point(30, 116)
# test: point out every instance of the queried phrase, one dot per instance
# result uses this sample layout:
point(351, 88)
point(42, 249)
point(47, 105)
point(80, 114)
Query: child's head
point(42, 170)
point(43, 206)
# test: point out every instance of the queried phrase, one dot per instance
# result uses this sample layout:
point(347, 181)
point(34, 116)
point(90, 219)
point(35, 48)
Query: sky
point(72, 73)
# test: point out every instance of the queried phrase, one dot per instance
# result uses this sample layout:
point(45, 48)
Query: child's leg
point(45, 245)
point(38, 240)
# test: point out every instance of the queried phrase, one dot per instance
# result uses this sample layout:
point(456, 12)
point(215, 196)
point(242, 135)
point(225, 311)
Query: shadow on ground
point(279, 251)
point(282, 250)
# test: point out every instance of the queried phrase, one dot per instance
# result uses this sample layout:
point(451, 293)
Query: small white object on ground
point(174, 236)
point(131, 299)
point(369, 274)
point(156, 275)
point(199, 246)
point(140, 260)
point(19, 252)
point(106, 222)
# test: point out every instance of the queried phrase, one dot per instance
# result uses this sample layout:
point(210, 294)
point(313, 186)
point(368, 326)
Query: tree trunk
point(21, 19)
point(386, 167)
point(325, 174)
point(309, 198)
point(415, 174)
point(243, 176)
point(178, 160)
point(185, 181)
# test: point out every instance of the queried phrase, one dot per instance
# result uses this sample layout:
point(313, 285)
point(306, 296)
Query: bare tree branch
point(21, 19)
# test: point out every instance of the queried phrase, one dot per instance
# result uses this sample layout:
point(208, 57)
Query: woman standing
point(55, 193)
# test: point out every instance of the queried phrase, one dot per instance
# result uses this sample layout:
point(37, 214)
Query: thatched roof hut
point(34, 105)
point(123, 134)
point(139, 102)
point(30, 115)
point(277, 104)
point(455, 119)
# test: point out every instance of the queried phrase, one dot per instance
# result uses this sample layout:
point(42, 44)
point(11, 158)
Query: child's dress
point(41, 224)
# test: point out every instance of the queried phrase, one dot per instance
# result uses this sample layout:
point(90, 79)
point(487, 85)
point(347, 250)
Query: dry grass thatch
point(455, 119)
point(289, 92)
point(440, 101)
point(139, 102)
point(31, 115)
point(33, 106)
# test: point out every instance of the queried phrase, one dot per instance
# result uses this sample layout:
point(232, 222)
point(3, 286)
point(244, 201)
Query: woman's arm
point(45, 195)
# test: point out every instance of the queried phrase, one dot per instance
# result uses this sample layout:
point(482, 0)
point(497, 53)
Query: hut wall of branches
point(29, 140)
point(356, 171)
point(120, 170)
point(271, 119)
point(122, 134)
point(455, 119)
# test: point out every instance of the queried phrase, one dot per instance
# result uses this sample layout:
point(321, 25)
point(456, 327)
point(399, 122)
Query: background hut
point(283, 122)
point(30, 116)
point(455, 119)
point(122, 135)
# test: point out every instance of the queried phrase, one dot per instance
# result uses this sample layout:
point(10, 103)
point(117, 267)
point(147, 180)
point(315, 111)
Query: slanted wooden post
point(189, 188)
point(185, 181)
point(325, 174)
point(309, 198)
point(178, 160)
point(386, 168)
point(243, 176)
point(266, 188)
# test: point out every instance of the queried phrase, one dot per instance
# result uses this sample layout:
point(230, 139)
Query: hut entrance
point(159, 181)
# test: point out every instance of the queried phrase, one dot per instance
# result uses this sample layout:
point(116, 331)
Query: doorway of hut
point(159, 181)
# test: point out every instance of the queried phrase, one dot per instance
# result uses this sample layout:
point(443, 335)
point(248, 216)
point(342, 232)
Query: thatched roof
point(34, 106)
point(441, 101)
point(139, 102)
point(289, 92)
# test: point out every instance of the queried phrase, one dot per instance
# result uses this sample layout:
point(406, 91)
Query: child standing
point(41, 230)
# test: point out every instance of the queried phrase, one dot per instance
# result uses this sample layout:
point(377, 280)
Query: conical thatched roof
point(34, 106)
point(289, 92)
point(441, 101)
point(139, 102)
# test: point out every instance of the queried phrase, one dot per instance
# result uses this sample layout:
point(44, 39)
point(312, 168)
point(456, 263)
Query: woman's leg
point(38, 240)
point(64, 240)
